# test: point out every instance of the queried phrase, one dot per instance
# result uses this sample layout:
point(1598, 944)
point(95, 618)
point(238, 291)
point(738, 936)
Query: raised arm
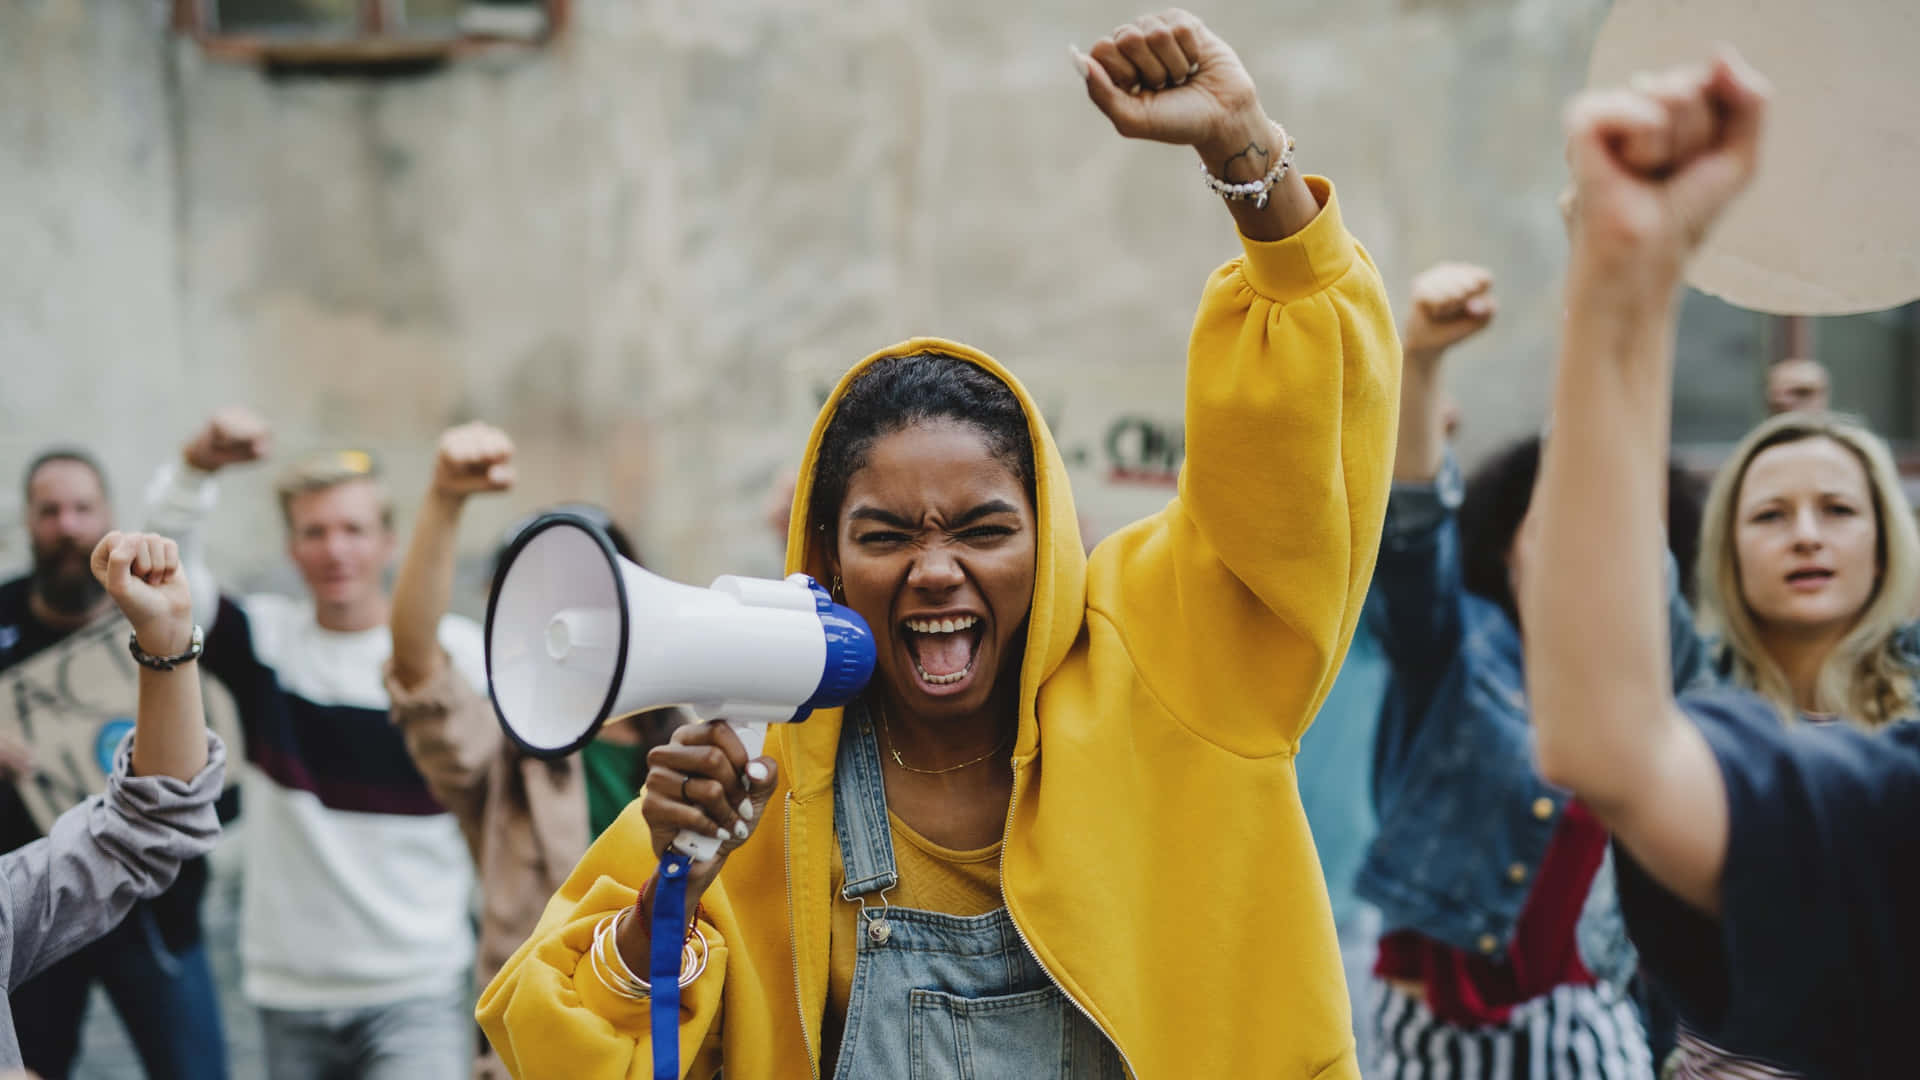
point(450, 729)
point(1652, 169)
point(80, 880)
point(182, 494)
point(1254, 575)
point(1449, 303)
point(1417, 588)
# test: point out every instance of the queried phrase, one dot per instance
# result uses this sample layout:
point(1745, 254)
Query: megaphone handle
point(698, 845)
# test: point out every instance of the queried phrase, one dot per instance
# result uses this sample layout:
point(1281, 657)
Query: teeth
point(941, 680)
point(941, 626)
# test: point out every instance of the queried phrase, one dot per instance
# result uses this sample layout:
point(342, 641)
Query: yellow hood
point(1060, 571)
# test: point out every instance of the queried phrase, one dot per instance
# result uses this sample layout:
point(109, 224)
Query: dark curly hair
point(1498, 495)
point(899, 392)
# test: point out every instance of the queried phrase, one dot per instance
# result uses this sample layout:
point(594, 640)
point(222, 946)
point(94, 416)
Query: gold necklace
point(900, 761)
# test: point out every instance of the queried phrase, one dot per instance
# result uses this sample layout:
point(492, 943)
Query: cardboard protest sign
point(73, 703)
point(1831, 225)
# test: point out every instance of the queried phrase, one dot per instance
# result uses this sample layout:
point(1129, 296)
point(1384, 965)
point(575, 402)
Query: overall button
point(1543, 808)
point(1517, 873)
point(878, 931)
point(1488, 943)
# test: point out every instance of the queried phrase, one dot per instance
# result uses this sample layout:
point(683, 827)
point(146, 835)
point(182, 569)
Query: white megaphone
point(577, 635)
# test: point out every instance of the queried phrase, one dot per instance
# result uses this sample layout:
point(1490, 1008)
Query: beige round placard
point(1832, 224)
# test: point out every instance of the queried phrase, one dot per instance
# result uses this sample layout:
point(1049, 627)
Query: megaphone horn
point(577, 635)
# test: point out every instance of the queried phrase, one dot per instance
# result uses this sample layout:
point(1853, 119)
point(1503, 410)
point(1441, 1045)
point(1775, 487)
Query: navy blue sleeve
point(1812, 963)
point(229, 656)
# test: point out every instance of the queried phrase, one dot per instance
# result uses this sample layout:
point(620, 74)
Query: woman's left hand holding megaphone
point(701, 780)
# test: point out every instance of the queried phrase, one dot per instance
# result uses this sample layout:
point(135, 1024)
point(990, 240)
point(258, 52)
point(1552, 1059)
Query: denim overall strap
point(860, 809)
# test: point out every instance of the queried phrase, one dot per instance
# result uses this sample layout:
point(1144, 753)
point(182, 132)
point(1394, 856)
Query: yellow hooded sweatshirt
point(1156, 857)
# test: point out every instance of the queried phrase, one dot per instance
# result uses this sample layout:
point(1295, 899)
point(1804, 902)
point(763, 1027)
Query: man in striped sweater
point(355, 934)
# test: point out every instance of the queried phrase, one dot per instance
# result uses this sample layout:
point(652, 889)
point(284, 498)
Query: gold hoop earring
point(838, 591)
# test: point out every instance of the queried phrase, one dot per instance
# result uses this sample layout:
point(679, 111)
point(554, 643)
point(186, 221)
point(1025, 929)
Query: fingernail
point(739, 830)
point(1134, 89)
point(1078, 59)
point(746, 809)
point(757, 772)
point(1194, 68)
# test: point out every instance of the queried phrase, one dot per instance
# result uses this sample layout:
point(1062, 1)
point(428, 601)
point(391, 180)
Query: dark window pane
point(1719, 367)
point(292, 17)
point(501, 18)
point(1871, 358)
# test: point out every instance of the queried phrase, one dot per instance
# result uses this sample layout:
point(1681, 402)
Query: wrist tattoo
point(1248, 165)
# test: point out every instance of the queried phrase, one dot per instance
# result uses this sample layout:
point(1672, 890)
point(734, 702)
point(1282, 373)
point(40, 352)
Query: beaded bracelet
point(1257, 190)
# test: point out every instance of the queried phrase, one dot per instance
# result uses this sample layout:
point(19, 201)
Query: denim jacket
point(1464, 819)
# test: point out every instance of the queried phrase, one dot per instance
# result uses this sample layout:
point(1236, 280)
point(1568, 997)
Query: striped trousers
point(1574, 1033)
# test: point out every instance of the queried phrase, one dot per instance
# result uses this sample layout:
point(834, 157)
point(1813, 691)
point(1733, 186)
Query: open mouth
point(943, 650)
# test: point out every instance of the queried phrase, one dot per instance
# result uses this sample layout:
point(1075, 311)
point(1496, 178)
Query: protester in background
point(1810, 561)
point(1809, 556)
point(1080, 846)
point(1768, 872)
point(73, 885)
point(526, 820)
point(1480, 867)
point(1797, 385)
point(153, 965)
point(355, 940)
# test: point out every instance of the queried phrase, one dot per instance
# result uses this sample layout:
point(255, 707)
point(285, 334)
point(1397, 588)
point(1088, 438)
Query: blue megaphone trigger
point(850, 654)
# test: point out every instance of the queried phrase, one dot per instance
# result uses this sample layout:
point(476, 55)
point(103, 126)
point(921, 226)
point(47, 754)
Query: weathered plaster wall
point(647, 249)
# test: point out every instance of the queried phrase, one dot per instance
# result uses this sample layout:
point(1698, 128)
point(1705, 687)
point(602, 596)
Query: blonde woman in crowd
point(1809, 564)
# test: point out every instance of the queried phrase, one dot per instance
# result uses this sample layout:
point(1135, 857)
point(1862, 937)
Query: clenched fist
point(1169, 78)
point(232, 436)
point(1451, 302)
point(1655, 164)
point(473, 458)
point(142, 572)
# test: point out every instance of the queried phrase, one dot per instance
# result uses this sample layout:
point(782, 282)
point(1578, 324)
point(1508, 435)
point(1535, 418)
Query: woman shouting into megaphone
point(1059, 835)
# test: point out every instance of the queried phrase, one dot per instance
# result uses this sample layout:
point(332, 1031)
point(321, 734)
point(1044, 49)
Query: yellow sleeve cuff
point(1309, 260)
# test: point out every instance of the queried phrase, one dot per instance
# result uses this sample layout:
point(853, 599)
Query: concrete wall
point(646, 250)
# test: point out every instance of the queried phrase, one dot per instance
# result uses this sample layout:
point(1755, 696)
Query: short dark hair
point(1498, 494)
point(60, 453)
point(901, 391)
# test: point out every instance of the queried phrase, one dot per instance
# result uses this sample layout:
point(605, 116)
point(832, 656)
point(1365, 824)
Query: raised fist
point(473, 458)
point(1655, 164)
point(233, 436)
point(1169, 78)
point(1451, 302)
point(142, 572)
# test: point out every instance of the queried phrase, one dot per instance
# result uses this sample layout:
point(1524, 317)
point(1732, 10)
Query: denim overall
point(942, 996)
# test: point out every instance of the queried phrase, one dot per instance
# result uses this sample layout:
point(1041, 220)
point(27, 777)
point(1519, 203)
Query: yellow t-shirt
point(932, 878)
